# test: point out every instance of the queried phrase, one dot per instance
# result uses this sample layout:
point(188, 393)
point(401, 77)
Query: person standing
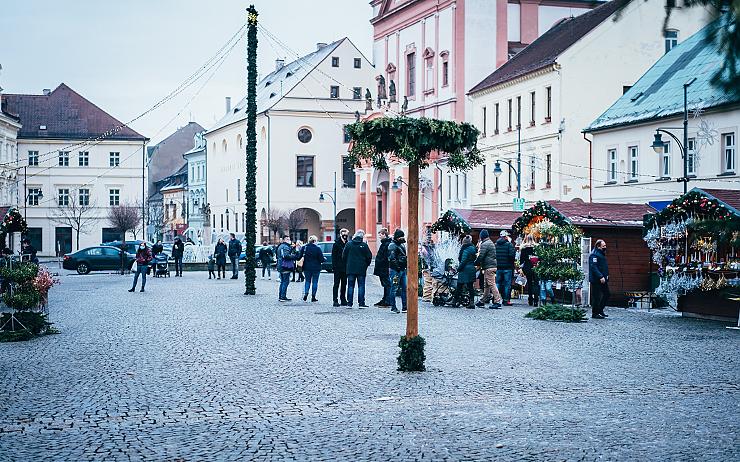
point(220, 253)
point(285, 266)
point(211, 266)
point(265, 255)
point(381, 268)
point(28, 252)
point(235, 251)
point(598, 276)
point(505, 256)
point(487, 262)
point(178, 249)
point(143, 257)
point(527, 261)
point(312, 257)
point(358, 257)
point(397, 262)
point(157, 248)
point(466, 272)
point(339, 268)
point(299, 263)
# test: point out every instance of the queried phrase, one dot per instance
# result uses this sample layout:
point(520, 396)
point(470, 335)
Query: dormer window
point(289, 74)
point(272, 95)
point(267, 84)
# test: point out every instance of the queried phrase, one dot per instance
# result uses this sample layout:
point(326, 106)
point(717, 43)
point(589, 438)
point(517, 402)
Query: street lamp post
point(333, 197)
point(497, 171)
point(659, 145)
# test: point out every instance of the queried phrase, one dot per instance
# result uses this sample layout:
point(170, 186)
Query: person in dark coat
point(527, 261)
point(398, 262)
point(178, 249)
point(312, 257)
point(382, 269)
point(598, 276)
point(339, 268)
point(265, 255)
point(220, 253)
point(487, 262)
point(505, 257)
point(235, 251)
point(358, 257)
point(28, 251)
point(211, 266)
point(143, 257)
point(157, 248)
point(466, 272)
point(285, 265)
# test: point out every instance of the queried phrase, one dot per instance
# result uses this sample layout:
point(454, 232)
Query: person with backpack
point(358, 257)
point(285, 265)
point(382, 269)
point(235, 251)
point(397, 262)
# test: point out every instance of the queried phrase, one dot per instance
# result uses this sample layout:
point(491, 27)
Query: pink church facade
point(433, 52)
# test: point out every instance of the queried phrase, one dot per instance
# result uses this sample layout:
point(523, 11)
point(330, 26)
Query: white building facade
point(73, 155)
point(556, 87)
point(302, 108)
point(196, 190)
point(9, 127)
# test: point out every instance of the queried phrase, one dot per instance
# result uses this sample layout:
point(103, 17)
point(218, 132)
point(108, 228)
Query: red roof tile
point(489, 219)
point(66, 115)
point(582, 213)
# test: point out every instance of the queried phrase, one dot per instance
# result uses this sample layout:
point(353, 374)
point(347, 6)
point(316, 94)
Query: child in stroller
point(161, 266)
point(446, 290)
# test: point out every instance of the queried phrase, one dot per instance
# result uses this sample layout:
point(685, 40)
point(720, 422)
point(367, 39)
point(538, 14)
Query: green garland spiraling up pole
point(250, 194)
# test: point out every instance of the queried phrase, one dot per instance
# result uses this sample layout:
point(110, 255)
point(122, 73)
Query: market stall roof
point(497, 219)
point(582, 213)
point(730, 197)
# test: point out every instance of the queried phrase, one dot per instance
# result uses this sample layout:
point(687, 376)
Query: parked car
point(326, 250)
point(257, 261)
point(98, 258)
point(132, 246)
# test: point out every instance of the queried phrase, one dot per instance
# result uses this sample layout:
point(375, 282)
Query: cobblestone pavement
point(193, 370)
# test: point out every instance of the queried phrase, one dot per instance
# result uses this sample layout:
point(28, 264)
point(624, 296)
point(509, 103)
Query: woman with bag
point(221, 250)
point(299, 263)
point(143, 257)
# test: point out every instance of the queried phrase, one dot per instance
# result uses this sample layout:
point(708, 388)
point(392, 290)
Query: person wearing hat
point(505, 256)
point(397, 263)
point(487, 262)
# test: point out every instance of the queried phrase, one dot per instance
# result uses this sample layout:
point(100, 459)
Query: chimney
point(320, 45)
point(47, 91)
point(279, 63)
point(228, 104)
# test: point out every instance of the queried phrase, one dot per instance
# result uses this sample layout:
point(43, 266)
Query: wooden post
point(412, 251)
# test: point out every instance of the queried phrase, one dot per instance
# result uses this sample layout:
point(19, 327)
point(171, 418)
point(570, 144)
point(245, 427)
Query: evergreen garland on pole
point(250, 193)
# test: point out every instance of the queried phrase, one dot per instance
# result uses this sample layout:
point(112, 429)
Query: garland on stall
point(250, 192)
point(451, 222)
point(559, 253)
point(538, 212)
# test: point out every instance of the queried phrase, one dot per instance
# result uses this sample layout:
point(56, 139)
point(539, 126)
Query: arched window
point(239, 141)
point(223, 146)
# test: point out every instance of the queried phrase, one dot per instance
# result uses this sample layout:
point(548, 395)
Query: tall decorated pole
point(250, 193)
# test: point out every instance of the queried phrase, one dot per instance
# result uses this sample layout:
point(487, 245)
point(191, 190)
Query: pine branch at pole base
point(250, 193)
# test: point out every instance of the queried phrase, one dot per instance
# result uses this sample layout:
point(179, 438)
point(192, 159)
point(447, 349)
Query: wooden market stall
point(695, 243)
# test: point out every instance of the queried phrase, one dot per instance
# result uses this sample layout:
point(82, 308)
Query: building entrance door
point(63, 240)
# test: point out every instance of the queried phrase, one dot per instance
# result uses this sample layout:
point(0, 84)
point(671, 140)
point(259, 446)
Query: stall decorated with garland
point(695, 243)
point(451, 222)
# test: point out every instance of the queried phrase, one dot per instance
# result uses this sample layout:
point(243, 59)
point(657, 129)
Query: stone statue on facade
point(392, 91)
point(405, 105)
point(381, 88)
point(368, 100)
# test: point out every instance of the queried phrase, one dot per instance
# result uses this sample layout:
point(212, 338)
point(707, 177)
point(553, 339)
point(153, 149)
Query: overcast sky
point(125, 55)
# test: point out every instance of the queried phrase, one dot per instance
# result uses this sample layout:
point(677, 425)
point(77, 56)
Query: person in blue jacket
point(598, 276)
point(312, 257)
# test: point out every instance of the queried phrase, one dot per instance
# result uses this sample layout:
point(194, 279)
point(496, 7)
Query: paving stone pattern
point(193, 370)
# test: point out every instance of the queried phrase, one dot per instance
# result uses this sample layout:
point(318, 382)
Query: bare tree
point(295, 220)
point(275, 221)
point(124, 218)
point(76, 211)
point(155, 218)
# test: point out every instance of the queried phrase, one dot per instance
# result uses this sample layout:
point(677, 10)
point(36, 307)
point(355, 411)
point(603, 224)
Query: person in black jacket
point(339, 268)
point(382, 268)
point(265, 255)
point(358, 257)
point(527, 261)
point(312, 257)
point(598, 276)
point(235, 251)
point(178, 249)
point(157, 248)
point(220, 253)
point(505, 256)
point(397, 261)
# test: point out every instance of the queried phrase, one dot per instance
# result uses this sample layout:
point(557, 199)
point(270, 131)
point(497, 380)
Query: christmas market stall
point(695, 243)
point(494, 221)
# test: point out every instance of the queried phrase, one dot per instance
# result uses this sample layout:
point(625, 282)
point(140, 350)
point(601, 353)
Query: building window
point(64, 158)
point(379, 209)
point(304, 171)
point(483, 191)
point(548, 176)
point(222, 221)
point(532, 108)
point(34, 196)
point(449, 187)
point(445, 73)
point(634, 166)
point(63, 197)
point(345, 134)
point(33, 158)
point(495, 119)
point(457, 187)
point(510, 114)
point(411, 74)
point(665, 161)
point(348, 173)
point(84, 197)
point(334, 61)
point(548, 105)
point(532, 171)
point(728, 150)
point(691, 156)
point(430, 73)
point(612, 172)
point(114, 160)
point(114, 197)
point(671, 39)
point(334, 92)
point(238, 189)
point(518, 112)
point(358, 63)
point(84, 159)
point(304, 135)
point(357, 93)
point(485, 120)
point(464, 185)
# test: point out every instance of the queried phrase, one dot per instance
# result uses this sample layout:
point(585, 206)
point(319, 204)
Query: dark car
point(257, 261)
point(132, 246)
point(98, 258)
point(326, 250)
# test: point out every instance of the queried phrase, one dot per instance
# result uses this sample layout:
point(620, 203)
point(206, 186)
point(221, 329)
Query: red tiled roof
point(728, 196)
point(66, 115)
point(545, 50)
point(582, 213)
point(489, 219)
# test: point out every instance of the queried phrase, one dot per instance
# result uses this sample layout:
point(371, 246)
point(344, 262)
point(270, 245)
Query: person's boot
point(314, 299)
point(305, 297)
point(132, 289)
point(142, 290)
point(336, 304)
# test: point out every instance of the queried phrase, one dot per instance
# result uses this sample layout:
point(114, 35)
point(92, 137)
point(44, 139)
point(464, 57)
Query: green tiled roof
point(659, 92)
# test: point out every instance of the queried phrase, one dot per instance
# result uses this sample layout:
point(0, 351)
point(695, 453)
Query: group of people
point(309, 255)
point(217, 260)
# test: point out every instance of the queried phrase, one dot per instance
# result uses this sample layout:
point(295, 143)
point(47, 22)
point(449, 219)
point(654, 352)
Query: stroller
point(445, 292)
point(161, 266)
